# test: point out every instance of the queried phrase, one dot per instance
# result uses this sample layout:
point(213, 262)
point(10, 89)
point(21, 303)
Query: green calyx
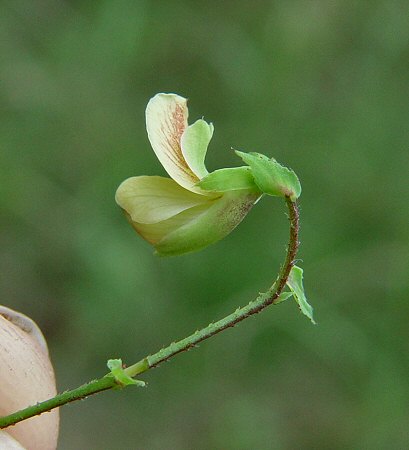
point(271, 177)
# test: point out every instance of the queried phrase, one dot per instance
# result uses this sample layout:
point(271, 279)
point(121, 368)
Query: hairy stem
point(151, 361)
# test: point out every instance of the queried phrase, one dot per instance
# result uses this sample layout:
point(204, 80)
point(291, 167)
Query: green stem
point(151, 361)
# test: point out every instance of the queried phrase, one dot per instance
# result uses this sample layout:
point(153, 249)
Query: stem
point(151, 361)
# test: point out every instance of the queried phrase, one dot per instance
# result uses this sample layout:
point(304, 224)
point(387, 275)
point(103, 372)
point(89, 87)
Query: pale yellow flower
point(192, 209)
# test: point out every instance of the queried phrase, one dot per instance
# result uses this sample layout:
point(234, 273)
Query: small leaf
point(117, 371)
point(295, 284)
point(271, 177)
point(230, 179)
point(282, 297)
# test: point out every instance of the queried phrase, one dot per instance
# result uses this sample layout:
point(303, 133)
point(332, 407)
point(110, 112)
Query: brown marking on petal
point(234, 212)
point(172, 130)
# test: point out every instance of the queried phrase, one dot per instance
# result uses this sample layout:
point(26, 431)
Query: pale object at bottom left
point(26, 378)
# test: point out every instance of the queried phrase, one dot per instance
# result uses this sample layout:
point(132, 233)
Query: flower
point(26, 377)
point(193, 208)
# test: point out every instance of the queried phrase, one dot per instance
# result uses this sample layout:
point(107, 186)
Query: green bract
point(117, 371)
point(271, 177)
point(193, 208)
point(295, 284)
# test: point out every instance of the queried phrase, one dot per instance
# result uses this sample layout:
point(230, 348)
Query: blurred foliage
point(321, 86)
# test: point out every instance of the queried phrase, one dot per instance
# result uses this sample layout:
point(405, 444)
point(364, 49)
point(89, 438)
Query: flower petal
point(230, 179)
point(213, 224)
point(194, 143)
point(166, 120)
point(151, 199)
point(155, 232)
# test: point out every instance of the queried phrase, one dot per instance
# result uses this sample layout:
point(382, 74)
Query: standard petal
point(166, 120)
point(210, 226)
point(194, 143)
point(152, 199)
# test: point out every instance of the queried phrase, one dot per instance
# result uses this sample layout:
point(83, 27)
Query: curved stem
point(151, 361)
point(254, 307)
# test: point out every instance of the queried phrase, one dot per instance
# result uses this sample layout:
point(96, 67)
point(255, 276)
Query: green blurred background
point(320, 85)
